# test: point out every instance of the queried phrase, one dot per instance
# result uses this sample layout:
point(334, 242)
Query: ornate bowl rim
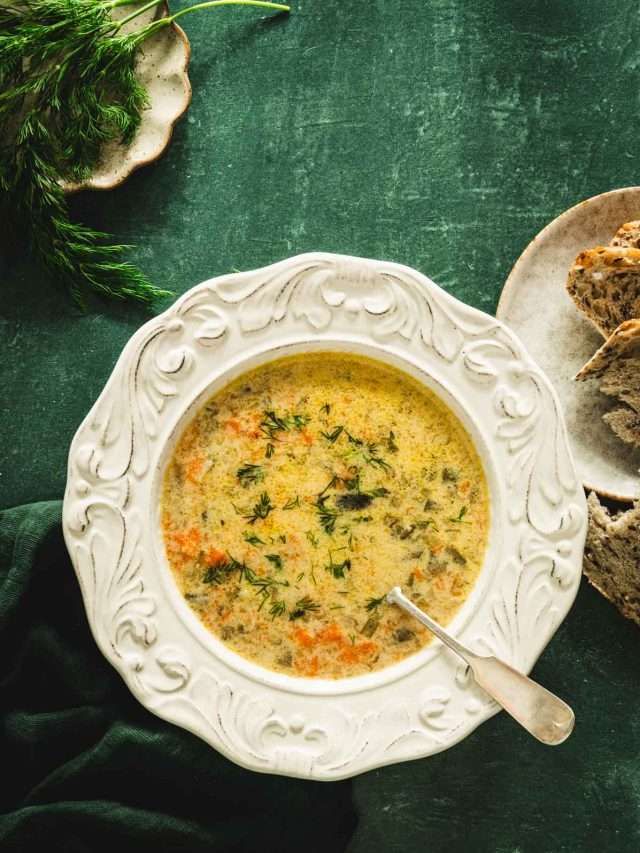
point(315, 728)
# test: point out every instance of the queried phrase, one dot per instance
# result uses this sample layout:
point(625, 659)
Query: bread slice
point(624, 343)
point(627, 235)
point(617, 365)
point(612, 556)
point(605, 285)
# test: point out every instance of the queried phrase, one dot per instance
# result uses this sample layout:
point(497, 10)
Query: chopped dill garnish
point(378, 492)
point(303, 606)
point(326, 515)
point(272, 423)
point(352, 637)
point(269, 450)
point(337, 569)
point(360, 519)
point(300, 576)
point(261, 509)
point(252, 539)
point(460, 516)
point(292, 503)
point(221, 571)
point(275, 560)
point(334, 435)
point(358, 442)
point(249, 473)
point(391, 442)
point(264, 584)
point(312, 538)
point(278, 608)
point(373, 603)
point(372, 459)
point(299, 422)
point(325, 409)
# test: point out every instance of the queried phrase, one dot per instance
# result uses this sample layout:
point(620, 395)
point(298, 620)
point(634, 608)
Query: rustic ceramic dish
point(162, 69)
point(535, 304)
point(274, 723)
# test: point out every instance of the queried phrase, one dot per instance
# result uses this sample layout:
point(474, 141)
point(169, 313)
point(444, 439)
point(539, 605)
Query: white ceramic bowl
point(266, 721)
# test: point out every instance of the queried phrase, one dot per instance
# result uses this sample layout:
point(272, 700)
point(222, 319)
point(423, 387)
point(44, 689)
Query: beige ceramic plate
point(535, 305)
point(162, 68)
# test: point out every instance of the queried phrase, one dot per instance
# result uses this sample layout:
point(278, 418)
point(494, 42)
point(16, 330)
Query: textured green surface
point(87, 768)
point(438, 134)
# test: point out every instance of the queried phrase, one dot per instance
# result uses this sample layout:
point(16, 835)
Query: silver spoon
point(542, 714)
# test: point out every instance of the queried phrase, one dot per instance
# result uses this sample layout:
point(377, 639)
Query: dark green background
point(439, 134)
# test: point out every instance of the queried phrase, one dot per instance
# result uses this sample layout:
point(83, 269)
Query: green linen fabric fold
point(84, 767)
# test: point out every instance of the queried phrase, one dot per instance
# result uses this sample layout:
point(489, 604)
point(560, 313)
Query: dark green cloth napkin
point(85, 767)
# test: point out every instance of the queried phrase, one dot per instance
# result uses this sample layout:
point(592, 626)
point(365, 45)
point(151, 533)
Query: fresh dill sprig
point(275, 560)
point(337, 569)
point(278, 608)
point(261, 509)
point(458, 518)
point(272, 423)
point(373, 603)
point(391, 442)
point(303, 606)
point(249, 473)
point(68, 86)
point(292, 503)
point(326, 515)
point(221, 571)
point(334, 435)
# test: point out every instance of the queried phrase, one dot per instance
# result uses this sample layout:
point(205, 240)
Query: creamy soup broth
point(307, 488)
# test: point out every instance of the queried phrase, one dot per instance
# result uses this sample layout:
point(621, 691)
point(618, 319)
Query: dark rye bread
point(627, 235)
point(617, 365)
point(624, 343)
point(604, 283)
point(612, 556)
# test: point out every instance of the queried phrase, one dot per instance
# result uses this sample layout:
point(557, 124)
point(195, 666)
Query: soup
point(307, 488)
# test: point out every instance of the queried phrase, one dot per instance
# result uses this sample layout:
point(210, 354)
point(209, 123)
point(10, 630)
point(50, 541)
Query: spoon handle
point(540, 712)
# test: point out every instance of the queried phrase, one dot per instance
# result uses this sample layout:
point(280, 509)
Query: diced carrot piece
point(418, 575)
point(307, 437)
point(187, 542)
point(313, 666)
point(234, 424)
point(355, 653)
point(331, 634)
point(193, 468)
point(215, 556)
point(303, 638)
point(464, 486)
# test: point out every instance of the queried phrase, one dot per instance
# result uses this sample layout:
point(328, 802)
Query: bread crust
point(623, 343)
point(604, 283)
point(612, 556)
